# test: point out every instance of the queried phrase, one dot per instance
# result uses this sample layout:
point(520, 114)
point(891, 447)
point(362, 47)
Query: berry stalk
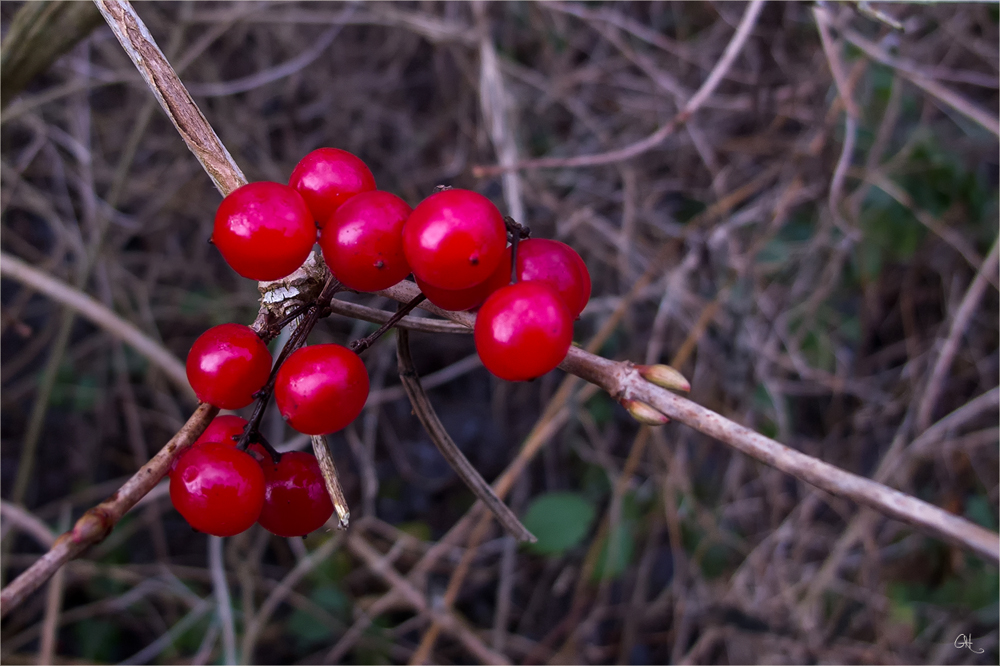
point(317, 309)
point(364, 343)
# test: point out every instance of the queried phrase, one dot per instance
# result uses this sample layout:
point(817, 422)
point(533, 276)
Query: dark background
point(817, 329)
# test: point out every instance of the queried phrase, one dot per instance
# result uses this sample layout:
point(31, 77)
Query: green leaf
point(559, 520)
point(98, 640)
point(307, 629)
point(978, 510)
point(332, 599)
point(601, 408)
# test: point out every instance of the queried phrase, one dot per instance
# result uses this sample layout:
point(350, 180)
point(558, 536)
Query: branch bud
point(665, 376)
point(643, 413)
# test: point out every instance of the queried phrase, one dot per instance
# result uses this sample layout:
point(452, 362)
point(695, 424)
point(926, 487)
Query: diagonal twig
point(96, 523)
point(164, 83)
point(715, 77)
point(99, 314)
point(622, 380)
point(432, 424)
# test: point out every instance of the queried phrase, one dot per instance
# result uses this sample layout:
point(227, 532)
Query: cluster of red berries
point(221, 490)
point(455, 245)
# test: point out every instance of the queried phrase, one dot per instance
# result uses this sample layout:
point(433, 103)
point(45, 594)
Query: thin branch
point(439, 435)
point(448, 621)
point(376, 316)
point(99, 314)
point(271, 74)
point(911, 73)
point(358, 346)
point(223, 603)
point(256, 625)
point(95, 525)
point(25, 520)
point(622, 381)
point(950, 345)
point(155, 648)
point(718, 72)
point(164, 83)
point(332, 480)
point(53, 603)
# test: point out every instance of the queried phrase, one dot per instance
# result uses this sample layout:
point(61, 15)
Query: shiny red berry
point(467, 299)
point(328, 177)
point(218, 489)
point(322, 388)
point(454, 239)
point(523, 331)
point(223, 430)
point(363, 242)
point(295, 498)
point(264, 230)
point(559, 266)
point(228, 364)
point(226, 429)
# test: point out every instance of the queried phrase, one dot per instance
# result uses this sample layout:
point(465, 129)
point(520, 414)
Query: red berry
point(322, 388)
point(218, 489)
point(226, 429)
point(328, 177)
point(523, 331)
point(222, 429)
point(467, 299)
point(559, 266)
point(585, 273)
point(264, 230)
point(295, 498)
point(454, 239)
point(363, 242)
point(228, 364)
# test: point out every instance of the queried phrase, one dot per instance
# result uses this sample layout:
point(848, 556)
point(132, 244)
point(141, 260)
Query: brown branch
point(95, 525)
point(622, 380)
point(911, 72)
point(100, 315)
point(164, 83)
point(439, 435)
point(448, 621)
point(376, 316)
point(715, 77)
point(358, 346)
point(331, 480)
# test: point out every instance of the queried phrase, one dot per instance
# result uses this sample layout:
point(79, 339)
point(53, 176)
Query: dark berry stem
point(317, 309)
point(517, 232)
point(364, 343)
point(273, 452)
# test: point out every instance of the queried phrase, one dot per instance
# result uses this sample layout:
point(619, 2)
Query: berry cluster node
point(454, 243)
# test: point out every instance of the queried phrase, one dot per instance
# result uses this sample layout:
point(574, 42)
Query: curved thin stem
point(446, 445)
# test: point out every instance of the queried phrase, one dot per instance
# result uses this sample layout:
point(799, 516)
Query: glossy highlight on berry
point(296, 501)
point(362, 242)
point(218, 489)
point(523, 331)
point(322, 388)
point(454, 239)
point(327, 178)
point(264, 230)
point(227, 364)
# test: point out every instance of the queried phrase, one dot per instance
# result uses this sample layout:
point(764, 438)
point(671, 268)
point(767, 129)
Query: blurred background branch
point(819, 277)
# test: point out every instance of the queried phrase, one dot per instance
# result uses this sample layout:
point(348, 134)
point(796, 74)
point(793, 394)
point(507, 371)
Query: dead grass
point(825, 296)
